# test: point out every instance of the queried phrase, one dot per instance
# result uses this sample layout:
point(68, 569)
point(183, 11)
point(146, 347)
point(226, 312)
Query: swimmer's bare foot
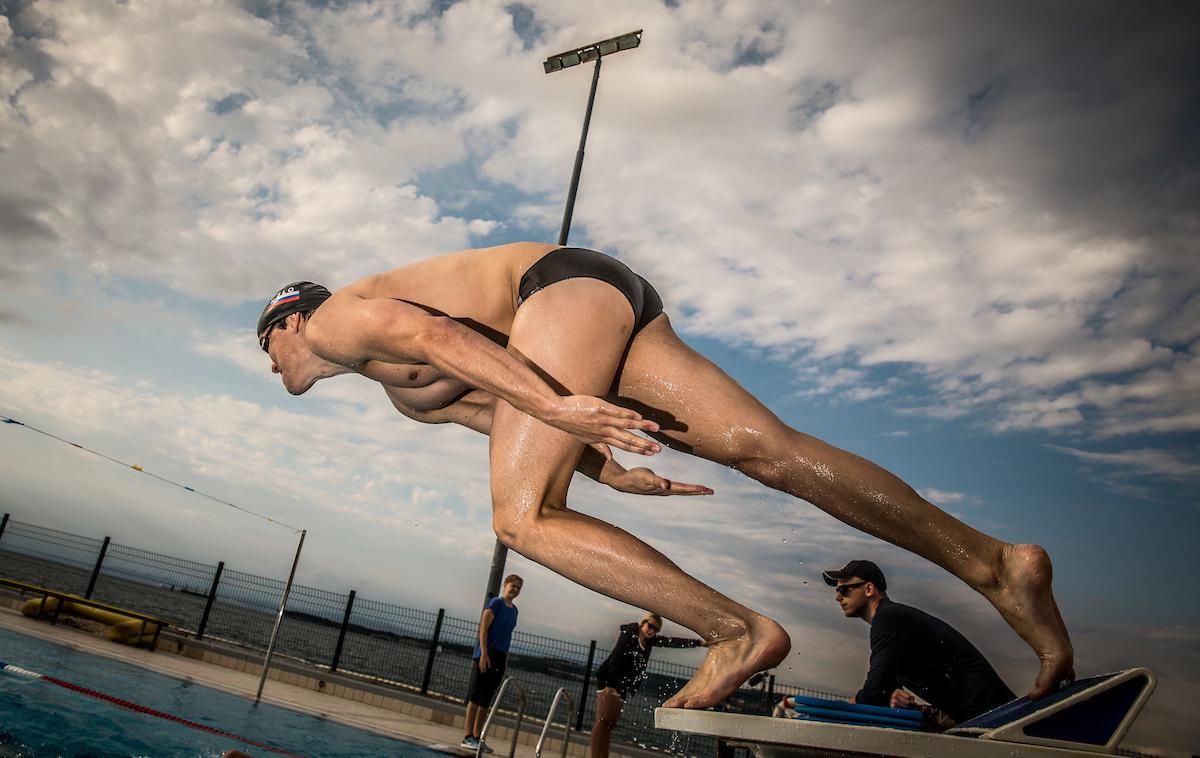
point(1025, 600)
point(730, 662)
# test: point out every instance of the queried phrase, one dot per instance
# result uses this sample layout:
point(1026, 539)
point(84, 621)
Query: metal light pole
point(573, 57)
point(594, 51)
point(565, 231)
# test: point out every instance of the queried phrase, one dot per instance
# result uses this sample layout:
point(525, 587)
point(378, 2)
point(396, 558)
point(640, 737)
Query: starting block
point(1096, 712)
point(1086, 719)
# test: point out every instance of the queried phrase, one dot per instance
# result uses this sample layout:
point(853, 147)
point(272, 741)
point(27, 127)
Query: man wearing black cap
point(911, 649)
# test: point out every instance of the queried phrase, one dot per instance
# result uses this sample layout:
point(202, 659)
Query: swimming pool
point(38, 718)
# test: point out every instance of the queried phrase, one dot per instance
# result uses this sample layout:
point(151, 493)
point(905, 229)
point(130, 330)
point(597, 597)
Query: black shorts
point(482, 686)
point(603, 682)
point(576, 262)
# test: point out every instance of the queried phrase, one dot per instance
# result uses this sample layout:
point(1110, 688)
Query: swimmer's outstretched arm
point(350, 330)
point(475, 412)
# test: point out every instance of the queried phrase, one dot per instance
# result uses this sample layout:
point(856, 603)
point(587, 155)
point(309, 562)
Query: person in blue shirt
point(490, 658)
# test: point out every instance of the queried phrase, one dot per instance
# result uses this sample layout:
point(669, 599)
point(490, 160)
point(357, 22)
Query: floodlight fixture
point(592, 51)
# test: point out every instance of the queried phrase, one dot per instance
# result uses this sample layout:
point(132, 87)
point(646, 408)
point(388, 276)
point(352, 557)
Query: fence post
point(96, 571)
point(212, 595)
point(433, 646)
point(337, 652)
point(771, 691)
point(587, 681)
point(3, 523)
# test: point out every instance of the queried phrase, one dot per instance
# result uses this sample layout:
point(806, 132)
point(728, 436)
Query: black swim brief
point(576, 262)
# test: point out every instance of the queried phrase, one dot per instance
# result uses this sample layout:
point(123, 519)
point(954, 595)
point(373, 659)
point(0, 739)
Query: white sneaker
point(470, 743)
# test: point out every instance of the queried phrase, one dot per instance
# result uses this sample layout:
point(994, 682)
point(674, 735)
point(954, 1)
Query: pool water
point(38, 718)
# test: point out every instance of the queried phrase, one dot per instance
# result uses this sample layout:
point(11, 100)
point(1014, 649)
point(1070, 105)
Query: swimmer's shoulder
point(343, 329)
point(409, 281)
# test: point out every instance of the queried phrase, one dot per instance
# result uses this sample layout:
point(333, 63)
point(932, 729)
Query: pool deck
point(375, 709)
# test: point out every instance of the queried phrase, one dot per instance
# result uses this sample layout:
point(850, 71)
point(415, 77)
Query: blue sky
point(956, 238)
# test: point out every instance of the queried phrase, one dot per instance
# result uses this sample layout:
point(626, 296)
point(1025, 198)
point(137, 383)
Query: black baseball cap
point(865, 570)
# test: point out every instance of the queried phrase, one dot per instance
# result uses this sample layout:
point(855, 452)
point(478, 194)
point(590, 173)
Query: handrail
point(512, 750)
point(562, 693)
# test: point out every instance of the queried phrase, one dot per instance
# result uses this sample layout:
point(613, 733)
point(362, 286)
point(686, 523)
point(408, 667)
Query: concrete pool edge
point(344, 699)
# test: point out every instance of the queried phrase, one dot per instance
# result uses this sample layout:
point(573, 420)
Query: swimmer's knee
point(773, 458)
point(506, 526)
point(515, 524)
point(759, 455)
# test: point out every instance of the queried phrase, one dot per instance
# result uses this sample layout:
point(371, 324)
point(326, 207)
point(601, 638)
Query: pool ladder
point(537, 751)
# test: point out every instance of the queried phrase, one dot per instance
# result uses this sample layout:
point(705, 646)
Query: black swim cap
point(297, 297)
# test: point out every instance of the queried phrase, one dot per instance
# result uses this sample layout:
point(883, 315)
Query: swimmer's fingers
point(629, 441)
point(643, 481)
point(682, 488)
point(623, 422)
point(604, 450)
point(595, 421)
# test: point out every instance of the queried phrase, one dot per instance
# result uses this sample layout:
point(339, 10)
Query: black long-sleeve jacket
point(910, 648)
point(625, 667)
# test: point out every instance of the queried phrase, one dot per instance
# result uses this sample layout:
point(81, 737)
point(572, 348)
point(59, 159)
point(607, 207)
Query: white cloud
point(916, 217)
point(946, 498)
point(1165, 463)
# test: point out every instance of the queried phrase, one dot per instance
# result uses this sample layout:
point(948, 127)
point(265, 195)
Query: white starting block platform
point(1087, 718)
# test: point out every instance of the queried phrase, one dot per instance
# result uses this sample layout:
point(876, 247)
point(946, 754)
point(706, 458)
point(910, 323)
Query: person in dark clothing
point(622, 673)
point(911, 649)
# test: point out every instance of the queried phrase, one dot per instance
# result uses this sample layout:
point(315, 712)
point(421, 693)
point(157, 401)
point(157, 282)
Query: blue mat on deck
point(841, 712)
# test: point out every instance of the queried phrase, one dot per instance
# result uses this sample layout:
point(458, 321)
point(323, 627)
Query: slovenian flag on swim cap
point(289, 295)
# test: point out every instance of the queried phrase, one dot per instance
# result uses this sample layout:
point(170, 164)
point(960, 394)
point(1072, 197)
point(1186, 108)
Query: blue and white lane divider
point(17, 670)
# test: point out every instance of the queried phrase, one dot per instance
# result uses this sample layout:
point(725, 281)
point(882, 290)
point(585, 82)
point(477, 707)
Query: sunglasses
point(842, 589)
point(653, 628)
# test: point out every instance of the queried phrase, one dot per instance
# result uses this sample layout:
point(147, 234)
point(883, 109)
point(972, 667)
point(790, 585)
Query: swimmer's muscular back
point(473, 284)
point(476, 287)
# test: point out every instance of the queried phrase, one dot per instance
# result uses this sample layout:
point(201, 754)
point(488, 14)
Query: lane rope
point(137, 467)
point(129, 705)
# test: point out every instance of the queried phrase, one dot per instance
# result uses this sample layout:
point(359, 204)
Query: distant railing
point(417, 650)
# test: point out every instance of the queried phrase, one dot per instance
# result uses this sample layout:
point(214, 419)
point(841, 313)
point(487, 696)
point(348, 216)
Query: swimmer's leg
point(702, 410)
point(575, 332)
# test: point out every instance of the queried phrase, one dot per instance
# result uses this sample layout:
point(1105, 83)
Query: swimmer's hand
point(593, 420)
point(643, 481)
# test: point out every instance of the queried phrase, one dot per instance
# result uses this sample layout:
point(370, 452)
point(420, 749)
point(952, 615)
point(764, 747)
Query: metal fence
point(416, 650)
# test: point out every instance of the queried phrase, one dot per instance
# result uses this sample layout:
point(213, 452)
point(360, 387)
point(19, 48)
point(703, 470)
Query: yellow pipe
point(124, 628)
